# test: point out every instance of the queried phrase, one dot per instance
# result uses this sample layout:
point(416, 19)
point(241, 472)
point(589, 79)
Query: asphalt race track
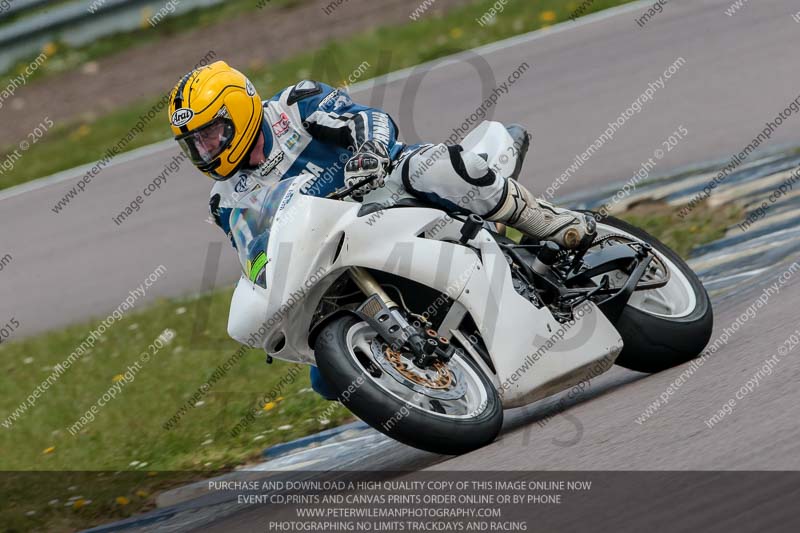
point(739, 73)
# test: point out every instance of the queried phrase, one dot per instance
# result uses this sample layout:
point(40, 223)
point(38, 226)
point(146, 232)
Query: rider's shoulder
point(309, 92)
point(303, 90)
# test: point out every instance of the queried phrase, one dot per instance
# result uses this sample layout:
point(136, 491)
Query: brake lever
point(343, 193)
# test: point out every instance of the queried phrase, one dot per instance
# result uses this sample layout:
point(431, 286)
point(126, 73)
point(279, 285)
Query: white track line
point(66, 175)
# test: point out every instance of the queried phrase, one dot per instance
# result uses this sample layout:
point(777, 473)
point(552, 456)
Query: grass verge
point(703, 225)
point(133, 456)
point(383, 50)
point(118, 462)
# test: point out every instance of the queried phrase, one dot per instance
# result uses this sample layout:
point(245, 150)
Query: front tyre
point(665, 327)
point(450, 409)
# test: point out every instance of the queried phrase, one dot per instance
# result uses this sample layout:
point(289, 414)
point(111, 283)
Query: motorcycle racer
point(243, 143)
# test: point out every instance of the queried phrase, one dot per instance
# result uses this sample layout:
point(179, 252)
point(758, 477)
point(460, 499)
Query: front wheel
point(450, 408)
point(667, 326)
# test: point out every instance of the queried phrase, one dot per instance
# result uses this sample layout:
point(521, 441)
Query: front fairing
point(299, 236)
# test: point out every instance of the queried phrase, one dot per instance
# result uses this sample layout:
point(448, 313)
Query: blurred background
point(690, 85)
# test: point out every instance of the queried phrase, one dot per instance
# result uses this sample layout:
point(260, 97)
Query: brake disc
point(440, 381)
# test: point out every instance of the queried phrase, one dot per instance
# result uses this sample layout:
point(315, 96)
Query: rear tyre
point(667, 327)
point(457, 412)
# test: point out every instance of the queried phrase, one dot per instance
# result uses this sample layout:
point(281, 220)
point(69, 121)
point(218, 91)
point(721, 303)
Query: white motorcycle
point(429, 324)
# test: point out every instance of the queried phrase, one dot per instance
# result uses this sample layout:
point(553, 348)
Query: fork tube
point(369, 285)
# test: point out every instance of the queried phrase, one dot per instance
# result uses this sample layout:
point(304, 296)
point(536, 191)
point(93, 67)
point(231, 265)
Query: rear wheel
point(666, 326)
point(450, 408)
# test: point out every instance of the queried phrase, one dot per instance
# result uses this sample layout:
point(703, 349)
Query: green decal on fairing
point(257, 265)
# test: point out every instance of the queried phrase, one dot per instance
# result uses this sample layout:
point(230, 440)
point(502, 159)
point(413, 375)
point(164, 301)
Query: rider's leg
point(453, 178)
point(542, 220)
point(450, 177)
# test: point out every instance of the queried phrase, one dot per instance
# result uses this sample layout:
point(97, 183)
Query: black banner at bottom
point(443, 501)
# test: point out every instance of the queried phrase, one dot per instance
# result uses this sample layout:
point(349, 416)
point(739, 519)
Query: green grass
point(702, 226)
point(384, 49)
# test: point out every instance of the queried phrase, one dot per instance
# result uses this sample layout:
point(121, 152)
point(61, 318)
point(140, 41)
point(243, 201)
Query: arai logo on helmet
point(251, 90)
point(182, 116)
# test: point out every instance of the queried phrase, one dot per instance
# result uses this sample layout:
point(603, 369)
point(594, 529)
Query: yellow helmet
point(216, 116)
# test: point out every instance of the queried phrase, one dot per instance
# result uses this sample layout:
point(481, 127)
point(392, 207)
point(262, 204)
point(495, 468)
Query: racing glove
point(371, 159)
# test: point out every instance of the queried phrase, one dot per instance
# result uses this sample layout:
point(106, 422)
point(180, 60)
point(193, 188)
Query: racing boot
point(543, 221)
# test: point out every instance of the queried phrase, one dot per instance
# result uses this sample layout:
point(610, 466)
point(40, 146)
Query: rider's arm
point(330, 115)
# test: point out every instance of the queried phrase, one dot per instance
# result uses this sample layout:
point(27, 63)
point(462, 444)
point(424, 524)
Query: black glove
point(371, 159)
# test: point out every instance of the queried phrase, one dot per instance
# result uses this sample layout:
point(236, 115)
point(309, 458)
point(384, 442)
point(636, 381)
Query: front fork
point(369, 286)
point(385, 316)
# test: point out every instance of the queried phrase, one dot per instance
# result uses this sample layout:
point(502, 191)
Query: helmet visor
point(204, 145)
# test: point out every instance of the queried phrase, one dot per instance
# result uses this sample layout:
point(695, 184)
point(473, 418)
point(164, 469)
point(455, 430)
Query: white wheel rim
point(476, 398)
point(676, 299)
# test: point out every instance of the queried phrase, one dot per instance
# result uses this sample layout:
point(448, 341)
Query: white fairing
point(306, 258)
point(242, 321)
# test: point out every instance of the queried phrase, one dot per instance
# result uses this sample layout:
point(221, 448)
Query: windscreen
point(251, 222)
